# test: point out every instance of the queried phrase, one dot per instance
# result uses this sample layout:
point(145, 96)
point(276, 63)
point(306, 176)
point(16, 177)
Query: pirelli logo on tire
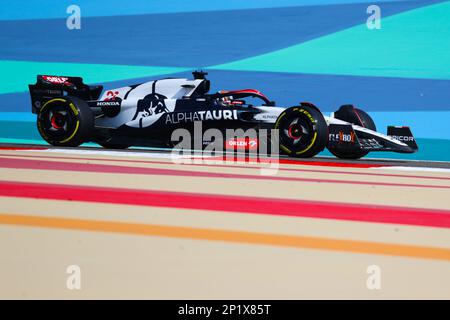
point(74, 109)
point(308, 115)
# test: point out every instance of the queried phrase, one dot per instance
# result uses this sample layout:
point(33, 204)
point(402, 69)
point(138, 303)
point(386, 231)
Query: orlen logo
point(403, 138)
point(242, 143)
point(57, 80)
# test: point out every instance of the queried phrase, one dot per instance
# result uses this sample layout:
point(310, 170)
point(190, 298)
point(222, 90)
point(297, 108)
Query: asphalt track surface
point(145, 224)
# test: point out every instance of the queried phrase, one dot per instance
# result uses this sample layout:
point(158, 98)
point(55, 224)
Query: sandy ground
point(181, 250)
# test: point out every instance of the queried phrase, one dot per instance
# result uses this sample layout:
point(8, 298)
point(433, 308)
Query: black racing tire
point(356, 116)
point(303, 131)
point(65, 121)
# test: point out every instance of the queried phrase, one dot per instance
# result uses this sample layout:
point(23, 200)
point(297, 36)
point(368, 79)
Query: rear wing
point(49, 86)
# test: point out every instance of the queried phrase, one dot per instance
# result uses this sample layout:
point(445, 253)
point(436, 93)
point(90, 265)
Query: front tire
point(65, 121)
point(349, 113)
point(303, 131)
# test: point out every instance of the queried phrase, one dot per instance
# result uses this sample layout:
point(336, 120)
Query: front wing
point(350, 137)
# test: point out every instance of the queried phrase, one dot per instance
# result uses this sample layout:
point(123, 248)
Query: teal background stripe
point(412, 44)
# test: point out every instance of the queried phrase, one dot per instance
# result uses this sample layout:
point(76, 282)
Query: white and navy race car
point(70, 113)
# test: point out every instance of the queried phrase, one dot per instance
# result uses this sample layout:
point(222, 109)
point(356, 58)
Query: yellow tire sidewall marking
point(309, 146)
point(74, 109)
point(51, 101)
point(73, 134)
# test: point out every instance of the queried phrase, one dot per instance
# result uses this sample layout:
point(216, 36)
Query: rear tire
point(356, 116)
point(303, 131)
point(65, 121)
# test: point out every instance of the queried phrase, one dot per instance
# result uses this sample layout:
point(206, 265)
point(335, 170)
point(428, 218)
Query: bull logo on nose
point(152, 105)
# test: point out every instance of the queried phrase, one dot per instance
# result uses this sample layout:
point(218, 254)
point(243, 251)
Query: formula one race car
point(70, 113)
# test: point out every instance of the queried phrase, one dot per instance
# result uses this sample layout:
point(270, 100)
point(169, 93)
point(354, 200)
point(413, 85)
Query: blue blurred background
point(293, 50)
